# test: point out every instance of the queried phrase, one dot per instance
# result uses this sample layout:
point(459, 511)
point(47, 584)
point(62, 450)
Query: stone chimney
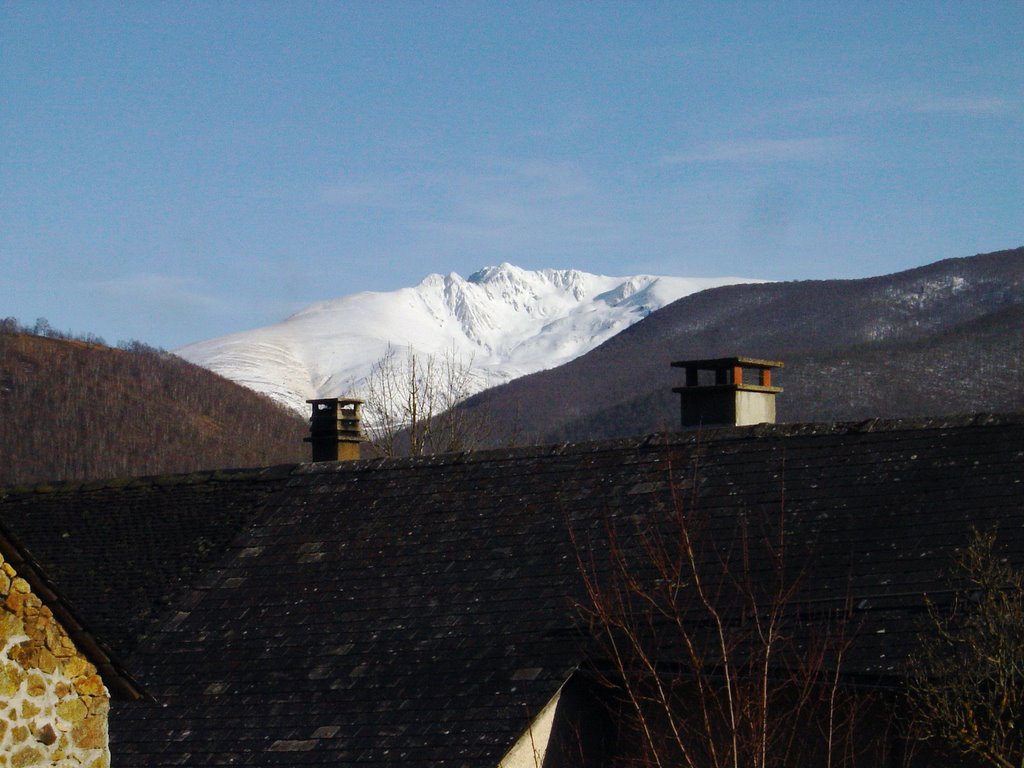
point(717, 395)
point(335, 428)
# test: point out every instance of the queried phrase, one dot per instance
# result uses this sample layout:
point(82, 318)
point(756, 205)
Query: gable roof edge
point(118, 680)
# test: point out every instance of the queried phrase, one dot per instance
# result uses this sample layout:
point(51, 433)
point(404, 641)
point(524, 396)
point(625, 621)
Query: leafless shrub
point(710, 656)
point(966, 682)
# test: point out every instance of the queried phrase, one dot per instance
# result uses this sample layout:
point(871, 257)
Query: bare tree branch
point(411, 404)
point(708, 651)
point(966, 683)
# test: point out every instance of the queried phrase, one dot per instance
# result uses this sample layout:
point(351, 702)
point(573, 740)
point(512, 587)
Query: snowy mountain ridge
point(503, 321)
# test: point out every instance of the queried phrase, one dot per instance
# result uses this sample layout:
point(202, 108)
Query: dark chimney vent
point(335, 428)
point(716, 394)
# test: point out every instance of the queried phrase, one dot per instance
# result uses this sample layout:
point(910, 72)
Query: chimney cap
point(728, 373)
point(336, 400)
point(713, 363)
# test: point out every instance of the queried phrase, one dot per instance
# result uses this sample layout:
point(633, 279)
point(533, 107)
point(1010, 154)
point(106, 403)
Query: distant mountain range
point(941, 339)
point(580, 356)
point(505, 322)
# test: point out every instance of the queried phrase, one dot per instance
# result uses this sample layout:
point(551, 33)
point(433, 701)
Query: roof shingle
point(419, 611)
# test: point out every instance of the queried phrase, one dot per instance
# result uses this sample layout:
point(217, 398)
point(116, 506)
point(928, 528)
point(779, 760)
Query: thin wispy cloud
point(546, 179)
point(968, 105)
point(491, 207)
point(516, 206)
point(662, 55)
point(571, 122)
point(757, 151)
point(502, 184)
point(373, 194)
point(170, 293)
point(852, 104)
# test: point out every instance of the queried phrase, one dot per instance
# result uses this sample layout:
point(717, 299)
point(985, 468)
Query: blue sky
point(176, 171)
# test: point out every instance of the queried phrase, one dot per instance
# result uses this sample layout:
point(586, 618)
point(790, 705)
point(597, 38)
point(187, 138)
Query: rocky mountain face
point(503, 322)
point(940, 339)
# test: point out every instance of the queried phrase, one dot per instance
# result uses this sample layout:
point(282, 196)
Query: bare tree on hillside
point(411, 404)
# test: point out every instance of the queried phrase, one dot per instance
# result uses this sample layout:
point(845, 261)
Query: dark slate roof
point(419, 611)
point(117, 679)
point(123, 551)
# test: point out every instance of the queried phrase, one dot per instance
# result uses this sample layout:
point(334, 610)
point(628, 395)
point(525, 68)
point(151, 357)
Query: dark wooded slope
point(75, 410)
point(944, 338)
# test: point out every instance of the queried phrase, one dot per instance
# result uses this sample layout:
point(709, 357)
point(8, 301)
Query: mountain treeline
point(937, 340)
point(75, 409)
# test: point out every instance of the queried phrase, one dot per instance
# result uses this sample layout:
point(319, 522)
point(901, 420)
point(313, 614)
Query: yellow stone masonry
point(53, 704)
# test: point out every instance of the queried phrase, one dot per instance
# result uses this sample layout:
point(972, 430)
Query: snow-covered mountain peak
point(636, 291)
point(503, 320)
point(513, 284)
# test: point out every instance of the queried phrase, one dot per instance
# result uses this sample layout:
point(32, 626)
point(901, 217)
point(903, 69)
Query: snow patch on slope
point(506, 321)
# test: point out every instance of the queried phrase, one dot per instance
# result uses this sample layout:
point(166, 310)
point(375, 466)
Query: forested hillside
point(941, 339)
point(76, 409)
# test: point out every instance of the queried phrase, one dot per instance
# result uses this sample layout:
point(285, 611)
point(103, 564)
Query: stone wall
point(53, 705)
